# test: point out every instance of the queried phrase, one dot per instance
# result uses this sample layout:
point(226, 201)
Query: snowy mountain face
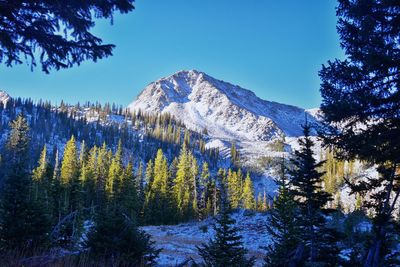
point(227, 111)
point(4, 97)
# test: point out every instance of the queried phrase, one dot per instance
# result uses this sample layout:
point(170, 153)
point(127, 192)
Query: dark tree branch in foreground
point(55, 33)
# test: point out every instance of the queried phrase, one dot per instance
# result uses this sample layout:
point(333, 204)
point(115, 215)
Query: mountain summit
point(4, 97)
point(225, 110)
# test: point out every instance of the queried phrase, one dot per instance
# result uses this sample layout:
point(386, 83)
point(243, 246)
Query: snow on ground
point(179, 241)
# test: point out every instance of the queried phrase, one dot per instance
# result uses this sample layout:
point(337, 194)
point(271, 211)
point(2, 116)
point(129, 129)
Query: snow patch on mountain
point(4, 97)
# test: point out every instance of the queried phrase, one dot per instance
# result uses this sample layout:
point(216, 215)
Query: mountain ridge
point(226, 110)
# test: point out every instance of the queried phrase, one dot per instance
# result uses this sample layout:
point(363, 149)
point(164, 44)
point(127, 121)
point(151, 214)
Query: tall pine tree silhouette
point(226, 249)
point(283, 225)
point(364, 90)
point(306, 187)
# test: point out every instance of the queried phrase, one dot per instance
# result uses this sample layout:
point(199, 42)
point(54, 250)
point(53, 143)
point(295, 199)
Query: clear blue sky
point(274, 48)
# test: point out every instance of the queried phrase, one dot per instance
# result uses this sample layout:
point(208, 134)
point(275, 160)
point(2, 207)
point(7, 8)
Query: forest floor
point(178, 242)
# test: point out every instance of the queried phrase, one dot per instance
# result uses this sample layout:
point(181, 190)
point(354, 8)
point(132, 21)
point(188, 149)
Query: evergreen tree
point(193, 185)
point(306, 185)
point(43, 186)
point(226, 248)
point(127, 198)
point(334, 172)
point(259, 204)
point(364, 90)
point(235, 160)
point(248, 198)
point(56, 191)
point(101, 175)
point(88, 178)
point(182, 186)
point(158, 208)
point(140, 190)
point(114, 172)
point(282, 225)
point(149, 176)
point(186, 138)
point(24, 223)
point(116, 241)
point(82, 153)
point(39, 173)
point(204, 189)
point(70, 194)
point(173, 168)
point(41, 179)
point(69, 166)
point(235, 188)
point(266, 204)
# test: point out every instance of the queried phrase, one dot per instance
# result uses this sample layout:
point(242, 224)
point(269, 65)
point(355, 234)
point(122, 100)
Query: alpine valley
point(216, 124)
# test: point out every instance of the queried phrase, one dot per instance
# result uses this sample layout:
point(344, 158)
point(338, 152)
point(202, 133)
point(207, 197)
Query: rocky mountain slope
point(227, 111)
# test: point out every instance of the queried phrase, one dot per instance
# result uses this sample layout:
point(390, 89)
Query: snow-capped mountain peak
point(4, 97)
point(226, 110)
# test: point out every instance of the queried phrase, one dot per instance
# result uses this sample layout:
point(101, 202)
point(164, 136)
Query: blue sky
point(274, 48)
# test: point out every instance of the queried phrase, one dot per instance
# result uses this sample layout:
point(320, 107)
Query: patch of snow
point(179, 241)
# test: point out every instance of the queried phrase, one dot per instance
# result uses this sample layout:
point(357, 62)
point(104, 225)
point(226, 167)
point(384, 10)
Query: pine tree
point(41, 179)
point(24, 223)
point(204, 188)
point(43, 186)
point(71, 199)
point(193, 185)
point(69, 166)
point(101, 175)
point(127, 198)
point(56, 191)
point(70, 177)
point(248, 198)
point(226, 248)
point(158, 208)
point(88, 178)
point(186, 138)
point(235, 159)
point(82, 153)
point(140, 191)
point(282, 225)
point(173, 168)
point(364, 90)
point(235, 188)
point(306, 185)
point(116, 241)
point(182, 186)
point(259, 204)
point(114, 172)
point(149, 176)
point(334, 172)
